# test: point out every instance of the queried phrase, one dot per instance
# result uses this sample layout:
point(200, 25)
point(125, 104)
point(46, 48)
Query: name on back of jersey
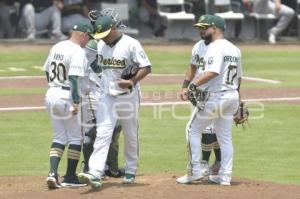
point(229, 58)
point(58, 57)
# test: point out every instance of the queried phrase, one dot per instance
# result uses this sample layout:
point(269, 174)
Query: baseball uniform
point(113, 59)
point(223, 58)
point(92, 90)
point(208, 139)
point(65, 61)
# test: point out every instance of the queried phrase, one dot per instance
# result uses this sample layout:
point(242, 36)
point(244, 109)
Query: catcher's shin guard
point(87, 151)
point(88, 147)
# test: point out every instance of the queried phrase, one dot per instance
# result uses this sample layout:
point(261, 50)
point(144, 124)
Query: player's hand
point(277, 6)
point(125, 83)
point(74, 109)
point(183, 94)
point(59, 4)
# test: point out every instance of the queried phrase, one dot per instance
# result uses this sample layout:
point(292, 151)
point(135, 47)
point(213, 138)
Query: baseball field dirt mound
point(148, 186)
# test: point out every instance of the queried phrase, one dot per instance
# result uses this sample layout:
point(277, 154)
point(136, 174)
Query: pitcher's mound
point(148, 186)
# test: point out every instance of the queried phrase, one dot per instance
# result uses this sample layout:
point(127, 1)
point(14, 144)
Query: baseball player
point(195, 70)
point(92, 91)
point(120, 101)
point(222, 78)
point(64, 67)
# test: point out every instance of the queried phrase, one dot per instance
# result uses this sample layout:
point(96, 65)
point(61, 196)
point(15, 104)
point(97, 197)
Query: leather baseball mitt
point(197, 96)
point(242, 114)
point(129, 72)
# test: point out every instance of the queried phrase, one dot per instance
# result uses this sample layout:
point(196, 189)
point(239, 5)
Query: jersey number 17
point(231, 74)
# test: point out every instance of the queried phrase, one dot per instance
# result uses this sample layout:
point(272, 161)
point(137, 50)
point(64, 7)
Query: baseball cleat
point(114, 174)
point(52, 181)
point(72, 182)
point(204, 168)
point(128, 178)
point(89, 179)
point(187, 179)
point(214, 169)
point(218, 180)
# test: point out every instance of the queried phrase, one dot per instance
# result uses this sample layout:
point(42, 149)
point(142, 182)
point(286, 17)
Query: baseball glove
point(242, 114)
point(129, 72)
point(197, 96)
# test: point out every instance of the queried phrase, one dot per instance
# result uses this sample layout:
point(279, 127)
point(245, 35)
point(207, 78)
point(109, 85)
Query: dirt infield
point(148, 186)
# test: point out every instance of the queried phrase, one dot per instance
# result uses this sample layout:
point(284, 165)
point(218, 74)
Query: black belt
point(66, 88)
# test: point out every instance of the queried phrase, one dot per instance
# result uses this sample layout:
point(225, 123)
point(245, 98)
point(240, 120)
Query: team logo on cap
point(75, 27)
point(99, 28)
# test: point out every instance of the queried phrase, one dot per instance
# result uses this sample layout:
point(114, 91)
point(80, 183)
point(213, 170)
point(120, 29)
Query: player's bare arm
point(75, 95)
point(277, 5)
point(189, 75)
point(205, 78)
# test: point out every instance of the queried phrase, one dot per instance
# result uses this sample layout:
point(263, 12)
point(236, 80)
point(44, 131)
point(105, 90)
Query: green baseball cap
point(103, 27)
point(83, 27)
point(210, 20)
point(92, 45)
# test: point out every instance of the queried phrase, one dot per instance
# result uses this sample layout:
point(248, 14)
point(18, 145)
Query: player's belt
point(66, 88)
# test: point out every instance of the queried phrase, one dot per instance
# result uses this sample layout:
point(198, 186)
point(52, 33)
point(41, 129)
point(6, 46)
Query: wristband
point(186, 83)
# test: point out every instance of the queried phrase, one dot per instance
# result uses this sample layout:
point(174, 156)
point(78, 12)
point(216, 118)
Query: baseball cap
point(92, 45)
point(83, 27)
point(103, 26)
point(210, 20)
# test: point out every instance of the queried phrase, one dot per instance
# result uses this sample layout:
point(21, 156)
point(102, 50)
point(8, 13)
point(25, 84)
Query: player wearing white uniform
point(209, 139)
point(222, 78)
point(120, 101)
point(92, 89)
point(65, 64)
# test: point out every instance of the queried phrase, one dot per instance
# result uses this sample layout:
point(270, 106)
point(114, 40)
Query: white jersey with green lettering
point(116, 105)
point(113, 59)
point(198, 52)
point(223, 58)
point(65, 58)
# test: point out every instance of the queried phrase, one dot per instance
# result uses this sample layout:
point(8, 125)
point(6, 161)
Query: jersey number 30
point(57, 71)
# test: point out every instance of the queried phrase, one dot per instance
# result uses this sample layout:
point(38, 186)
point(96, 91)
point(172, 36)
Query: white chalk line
point(22, 77)
point(149, 104)
point(255, 79)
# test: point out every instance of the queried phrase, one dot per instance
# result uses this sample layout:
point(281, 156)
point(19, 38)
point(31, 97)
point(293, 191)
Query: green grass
point(266, 150)
point(271, 63)
point(23, 59)
point(275, 64)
